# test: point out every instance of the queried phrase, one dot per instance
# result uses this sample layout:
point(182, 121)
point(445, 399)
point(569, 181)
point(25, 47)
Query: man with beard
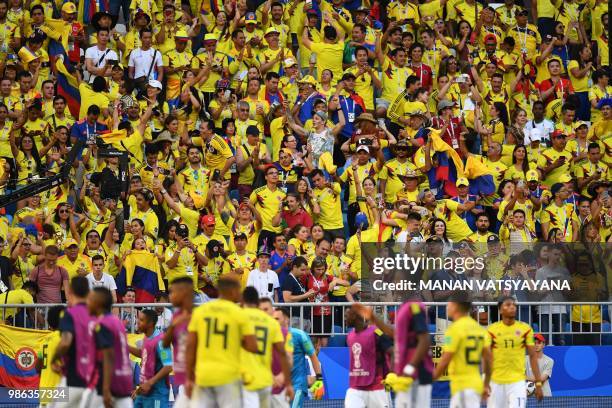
point(482, 233)
point(195, 177)
point(390, 176)
point(217, 154)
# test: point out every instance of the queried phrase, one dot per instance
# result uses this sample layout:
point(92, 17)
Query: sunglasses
point(560, 137)
point(63, 211)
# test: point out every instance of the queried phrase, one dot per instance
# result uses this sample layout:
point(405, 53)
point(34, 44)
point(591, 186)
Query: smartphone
point(216, 175)
point(227, 94)
point(242, 75)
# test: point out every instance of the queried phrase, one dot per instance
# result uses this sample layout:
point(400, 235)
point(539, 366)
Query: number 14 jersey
point(220, 326)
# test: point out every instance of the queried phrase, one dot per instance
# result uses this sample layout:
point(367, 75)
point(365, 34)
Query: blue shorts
point(299, 398)
point(153, 400)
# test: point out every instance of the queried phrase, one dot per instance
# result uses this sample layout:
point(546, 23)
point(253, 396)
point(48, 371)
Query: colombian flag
point(451, 167)
point(141, 270)
point(88, 8)
point(114, 138)
point(19, 351)
point(68, 87)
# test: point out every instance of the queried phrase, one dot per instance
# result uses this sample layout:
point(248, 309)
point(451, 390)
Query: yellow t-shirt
point(390, 172)
point(257, 367)
point(369, 169)
point(216, 153)
point(89, 98)
point(549, 156)
point(456, 226)
point(331, 207)
point(466, 339)
point(508, 344)
point(247, 175)
point(81, 261)
point(186, 265)
point(220, 326)
point(329, 56)
point(267, 203)
point(149, 218)
point(15, 297)
point(393, 80)
point(579, 84)
point(560, 217)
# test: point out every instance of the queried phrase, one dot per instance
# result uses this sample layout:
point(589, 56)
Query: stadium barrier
point(562, 323)
point(549, 402)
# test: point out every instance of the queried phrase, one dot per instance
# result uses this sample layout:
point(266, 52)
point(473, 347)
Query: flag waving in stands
point(141, 270)
point(68, 87)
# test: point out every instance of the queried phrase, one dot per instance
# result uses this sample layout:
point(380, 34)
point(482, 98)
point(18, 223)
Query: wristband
point(163, 192)
point(538, 383)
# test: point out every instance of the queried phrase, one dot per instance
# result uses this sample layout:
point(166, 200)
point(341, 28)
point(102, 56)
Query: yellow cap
point(210, 37)
point(289, 62)
point(462, 181)
point(308, 79)
point(70, 242)
point(69, 8)
point(26, 55)
point(181, 34)
point(580, 123)
point(271, 30)
point(532, 175)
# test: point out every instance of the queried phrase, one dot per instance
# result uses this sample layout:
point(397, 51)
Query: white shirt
point(107, 281)
point(164, 320)
point(265, 282)
point(141, 61)
point(99, 57)
point(538, 131)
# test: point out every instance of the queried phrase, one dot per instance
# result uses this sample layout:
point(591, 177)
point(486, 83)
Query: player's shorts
point(79, 397)
point(181, 400)
point(299, 398)
point(257, 398)
point(465, 399)
point(382, 103)
point(367, 399)
point(225, 396)
point(416, 397)
point(512, 395)
point(279, 400)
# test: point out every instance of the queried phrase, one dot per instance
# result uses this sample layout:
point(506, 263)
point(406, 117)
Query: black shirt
point(293, 285)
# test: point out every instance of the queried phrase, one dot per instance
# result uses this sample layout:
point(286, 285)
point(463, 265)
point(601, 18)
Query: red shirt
point(300, 217)
point(563, 88)
point(321, 286)
point(451, 136)
point(425, 75)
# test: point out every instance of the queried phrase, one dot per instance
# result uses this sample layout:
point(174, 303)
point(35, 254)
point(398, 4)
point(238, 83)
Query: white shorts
point(181, 401)
point(279, 400)
point(222, 396)
point(366, 399)
point(418, 396)
point(465, 399)
point(512, 395)
point(79, 397)
point(257, 398)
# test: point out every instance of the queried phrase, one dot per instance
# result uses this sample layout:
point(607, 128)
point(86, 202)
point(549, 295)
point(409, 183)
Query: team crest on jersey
point(25, 358)
point(517, 333)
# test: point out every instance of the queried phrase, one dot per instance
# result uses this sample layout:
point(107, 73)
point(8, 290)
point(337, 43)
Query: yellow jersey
point(331, 206)
point(267, 203)
point(81, 261)
point(508, 343)
point(220, 326)
point(466, 339)
point(457, 228)
point(48, 377)
point(257, 367)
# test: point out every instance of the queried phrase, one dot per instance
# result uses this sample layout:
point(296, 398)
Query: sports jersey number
point(212, 327)
point(45, 355)
point(261, 335)
point(473, 349)
point(510, 342)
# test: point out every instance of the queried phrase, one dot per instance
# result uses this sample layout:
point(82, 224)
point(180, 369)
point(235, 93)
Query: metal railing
point(562, 323)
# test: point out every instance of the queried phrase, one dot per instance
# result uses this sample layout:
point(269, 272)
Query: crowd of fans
point(270, 140)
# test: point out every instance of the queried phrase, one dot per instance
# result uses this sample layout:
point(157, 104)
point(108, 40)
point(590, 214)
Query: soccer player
point(368, 348)
point(257, 367)
point(115, 377)
point(217, 332)
point(156, 364)
point(181, 297)
point(412, 357)
point(466, 345)
point(302, 347)
point(49, 378)
point(76, 348)
point(509, 339)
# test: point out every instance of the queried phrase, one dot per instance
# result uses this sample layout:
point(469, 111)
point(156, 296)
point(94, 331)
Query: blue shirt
point(302, 347)
point(275, 262)
point(351, 111)
point(82, 128)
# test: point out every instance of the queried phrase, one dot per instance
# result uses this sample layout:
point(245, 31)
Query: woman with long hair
point(520, 164)
point(27, 159)
point(495, 130)
point(300, 244)
point(438, 229)
point(223, 105)
point(23, 261)
point(136, 231)
point(325, 87)
point(64, 223)
point(462, 40)
point(220, 205)
point(290, 143)
point(579, 70)
point(449, 67)
point(304, 192)
point(598, 91)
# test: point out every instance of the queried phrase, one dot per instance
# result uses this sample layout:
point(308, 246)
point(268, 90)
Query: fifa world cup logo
point(356, 349)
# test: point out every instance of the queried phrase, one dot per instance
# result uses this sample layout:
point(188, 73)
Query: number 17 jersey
point(509, 344)
point(220, 326)
point(466, 340)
